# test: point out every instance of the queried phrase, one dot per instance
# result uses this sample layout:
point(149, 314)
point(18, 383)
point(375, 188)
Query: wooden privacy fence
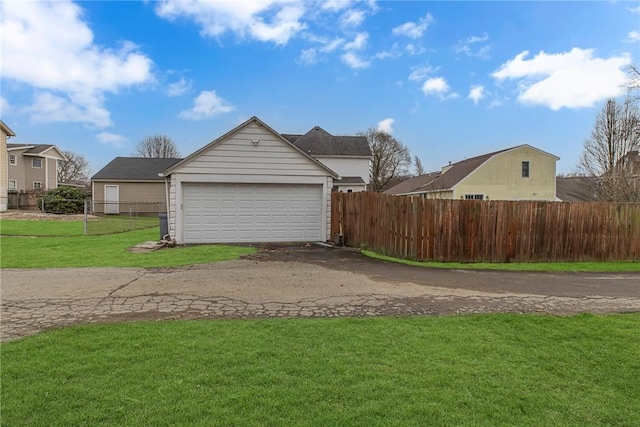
point(486, 231)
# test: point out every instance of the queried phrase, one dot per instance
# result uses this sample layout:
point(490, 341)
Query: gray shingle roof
point(318, 142)
point(134, 168)
point(410, 185)
point(31, 148)
point(576, 189)
point(350, 180)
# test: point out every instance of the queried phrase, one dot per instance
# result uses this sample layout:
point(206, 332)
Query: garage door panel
point(252, 213)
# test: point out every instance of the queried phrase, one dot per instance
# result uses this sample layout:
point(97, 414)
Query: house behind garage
point(250, 185)
point(131, 184)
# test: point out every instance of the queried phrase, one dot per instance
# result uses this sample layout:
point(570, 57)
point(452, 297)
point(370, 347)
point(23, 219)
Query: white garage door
point(215, 213)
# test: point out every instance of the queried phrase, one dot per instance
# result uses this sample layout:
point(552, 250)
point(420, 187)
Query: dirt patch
point(40, 216)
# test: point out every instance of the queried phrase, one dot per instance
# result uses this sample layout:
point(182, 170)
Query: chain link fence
point(117, 217)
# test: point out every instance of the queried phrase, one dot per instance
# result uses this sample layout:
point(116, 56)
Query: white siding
point(348, 166)
point(238, 155)
point(237, 160)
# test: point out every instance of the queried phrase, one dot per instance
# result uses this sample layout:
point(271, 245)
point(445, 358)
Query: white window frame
point(13, 187)
point(33, 160)
point(474, 196)
point(526, 172)
point(13, 160)
point(38, 186)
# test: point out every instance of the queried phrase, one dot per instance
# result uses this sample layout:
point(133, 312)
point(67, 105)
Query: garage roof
point(134, 168)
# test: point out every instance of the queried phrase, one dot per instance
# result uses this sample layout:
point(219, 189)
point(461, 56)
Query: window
point(36, 162)
point(474, 196)
point(13, 184)
point(525, 169)
point(12, 159)
point(37, 185)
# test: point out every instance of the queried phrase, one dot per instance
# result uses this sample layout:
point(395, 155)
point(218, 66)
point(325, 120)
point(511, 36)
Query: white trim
point(15, 160)
point(15, 185)
point(36, 167)
point(34, 185)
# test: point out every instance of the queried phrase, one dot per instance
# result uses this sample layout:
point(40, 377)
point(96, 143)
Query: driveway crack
point(130, 282)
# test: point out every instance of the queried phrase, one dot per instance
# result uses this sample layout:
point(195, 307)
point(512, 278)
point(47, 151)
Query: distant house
point(348, 156)
point(5, 133)
point(131, 183)
point(518, 173)
point(33, 166)
point(576, 189)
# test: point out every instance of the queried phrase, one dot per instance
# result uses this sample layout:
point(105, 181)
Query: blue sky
point(449, 79)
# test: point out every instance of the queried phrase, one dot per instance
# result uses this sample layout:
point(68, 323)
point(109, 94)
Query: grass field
point(489, 370)
point(622, 266)
point(96, 226)
point(24, 250)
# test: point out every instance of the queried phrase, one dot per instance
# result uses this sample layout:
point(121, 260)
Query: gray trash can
point(164, 225)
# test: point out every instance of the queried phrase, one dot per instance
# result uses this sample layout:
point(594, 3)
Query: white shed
point(249, 185)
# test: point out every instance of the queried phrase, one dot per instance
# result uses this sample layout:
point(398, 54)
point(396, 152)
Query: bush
point(63, 200)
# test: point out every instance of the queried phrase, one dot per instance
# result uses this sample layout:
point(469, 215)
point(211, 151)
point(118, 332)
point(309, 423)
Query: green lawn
point(77, 250)
point(58, 228)
point(489, 370)
point(621, 266)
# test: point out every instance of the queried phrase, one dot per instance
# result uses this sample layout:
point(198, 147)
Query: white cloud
point(438, 86)
point(635, 10)
point(274, 21)
point(51, 49)
point(570, 79)
point(634, 36)
point(473, 46)
point(476, 93)
point(178, 88)
point(353, 61)
point(413, 30)
point(386, 125)
point(335, 5)
point(308, 56)
point(111, 139)
point(420, 73)
point(207, 104)
point(412, 49)
point(394, 52)
point(358, 43)
point(82, 108)
point(352, 18)
point(4, 105)
point(332, 45)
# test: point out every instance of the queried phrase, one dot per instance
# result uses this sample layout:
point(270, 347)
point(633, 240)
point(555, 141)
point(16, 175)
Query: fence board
point(487, 231)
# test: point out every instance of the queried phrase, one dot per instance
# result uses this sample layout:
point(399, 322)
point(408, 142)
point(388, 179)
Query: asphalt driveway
point(295, 281)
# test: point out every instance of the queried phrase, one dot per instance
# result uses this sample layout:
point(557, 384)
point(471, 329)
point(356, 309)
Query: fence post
point(86, 216)
point(130, 218)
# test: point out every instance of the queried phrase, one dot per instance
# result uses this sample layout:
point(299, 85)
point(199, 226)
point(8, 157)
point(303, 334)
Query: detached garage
point(250, 185)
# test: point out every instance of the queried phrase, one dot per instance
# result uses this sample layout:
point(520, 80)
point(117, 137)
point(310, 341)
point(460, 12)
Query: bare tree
point(391, 158)
point(75, 170)
point(633, 82)
point(156, 146)
point(417, 164)
point(610, 153)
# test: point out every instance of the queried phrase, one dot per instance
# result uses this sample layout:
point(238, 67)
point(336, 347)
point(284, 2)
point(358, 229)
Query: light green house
point(518, 173)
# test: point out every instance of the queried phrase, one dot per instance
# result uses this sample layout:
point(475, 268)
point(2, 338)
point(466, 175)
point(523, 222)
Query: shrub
point(63, 200)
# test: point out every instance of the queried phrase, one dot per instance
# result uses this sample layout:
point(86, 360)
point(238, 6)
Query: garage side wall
point(252, 155)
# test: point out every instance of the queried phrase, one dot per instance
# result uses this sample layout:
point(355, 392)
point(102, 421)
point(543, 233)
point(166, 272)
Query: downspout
point(166, 194)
